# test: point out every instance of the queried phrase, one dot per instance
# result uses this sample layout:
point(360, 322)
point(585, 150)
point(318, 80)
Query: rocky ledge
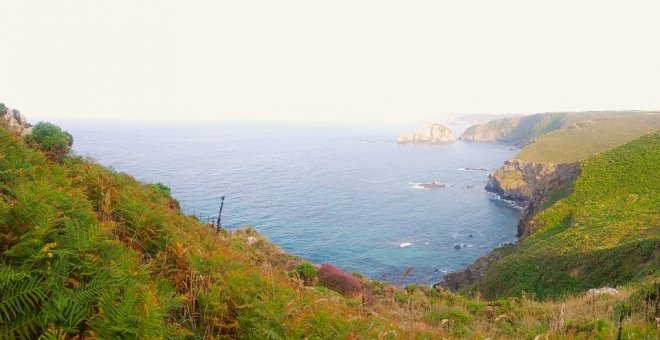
point(14, 121)
point(430, 133)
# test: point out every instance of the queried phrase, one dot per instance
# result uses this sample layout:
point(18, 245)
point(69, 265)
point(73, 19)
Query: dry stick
point(618, 335)
point(405, 275)
point(593, 310)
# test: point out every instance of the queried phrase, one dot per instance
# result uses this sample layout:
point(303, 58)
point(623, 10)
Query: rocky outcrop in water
point(14, 121)
point(430, 133)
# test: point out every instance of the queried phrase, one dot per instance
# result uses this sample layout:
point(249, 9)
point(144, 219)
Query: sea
point(342, 194)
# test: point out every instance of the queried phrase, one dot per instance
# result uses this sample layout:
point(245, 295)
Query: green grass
point(582, 139)
point(523, 130)
point(606, 232)
point(89, 252)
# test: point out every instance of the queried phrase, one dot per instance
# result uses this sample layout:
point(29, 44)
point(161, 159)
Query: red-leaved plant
point(338, 280)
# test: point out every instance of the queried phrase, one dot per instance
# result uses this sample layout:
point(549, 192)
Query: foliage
point(584, 139)
point(166, 192)
point(50, 139)
point(606, 232)
point(306, 271)
point(339, 280)
point(90, 253)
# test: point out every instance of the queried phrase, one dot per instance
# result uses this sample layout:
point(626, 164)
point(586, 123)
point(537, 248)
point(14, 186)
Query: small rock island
point(432, 185)
point(429, 133)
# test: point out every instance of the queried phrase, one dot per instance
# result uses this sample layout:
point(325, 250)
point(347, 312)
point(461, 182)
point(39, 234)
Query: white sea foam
point(472, 169)
point(512, 203)
point(416, 185)
point(405, 244)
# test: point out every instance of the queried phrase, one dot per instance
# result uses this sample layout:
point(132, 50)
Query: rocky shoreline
point(532, 186)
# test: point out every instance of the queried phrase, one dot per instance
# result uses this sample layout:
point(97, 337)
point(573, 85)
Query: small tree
point(50, 139)
point(307, 272)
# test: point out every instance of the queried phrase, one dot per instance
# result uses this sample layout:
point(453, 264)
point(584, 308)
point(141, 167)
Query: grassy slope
point(607, 232)
point(580, 138)
point(525, 129)
point(90, 252)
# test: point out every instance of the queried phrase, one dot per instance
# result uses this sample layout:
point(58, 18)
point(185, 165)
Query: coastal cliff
point(533, 186)
point(518, 130)
point(14, 121)
point(84, 246)
point(522, 130)
point(556, 146)
point(430, 133)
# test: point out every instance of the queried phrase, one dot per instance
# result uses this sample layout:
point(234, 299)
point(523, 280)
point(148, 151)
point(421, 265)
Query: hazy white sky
point(390, 61)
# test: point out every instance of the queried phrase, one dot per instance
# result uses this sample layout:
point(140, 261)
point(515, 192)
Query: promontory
point(429, 133)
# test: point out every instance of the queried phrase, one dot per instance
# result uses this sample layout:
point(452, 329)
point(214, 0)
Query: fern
point(20, 296)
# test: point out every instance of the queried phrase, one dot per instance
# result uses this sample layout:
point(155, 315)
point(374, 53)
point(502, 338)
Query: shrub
point(306, 271)
point(165, 191)
point(51, 140)
point(339, 280)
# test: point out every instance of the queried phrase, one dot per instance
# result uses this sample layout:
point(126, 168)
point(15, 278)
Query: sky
point(327, 61)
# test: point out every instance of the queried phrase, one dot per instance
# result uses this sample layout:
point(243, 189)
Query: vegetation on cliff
point(606, 232)
point(582, 139)
point(523, 130)
point(87, 252)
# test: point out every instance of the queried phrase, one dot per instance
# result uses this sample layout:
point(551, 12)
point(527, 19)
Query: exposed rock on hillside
point(519, 130)
point(461, 278)
point(14, 121)
point(522, 130)
point(531, 185)
point(430, 133)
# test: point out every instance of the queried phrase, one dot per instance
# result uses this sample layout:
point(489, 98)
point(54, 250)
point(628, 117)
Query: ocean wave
point(512, 203)
point(429, 185)
point(416, 185)
point(473, 169)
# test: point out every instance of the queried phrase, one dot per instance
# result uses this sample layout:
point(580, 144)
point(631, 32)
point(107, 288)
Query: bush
point(164, 190)
point(339, 280)
point(306, 271)
point(51, 140)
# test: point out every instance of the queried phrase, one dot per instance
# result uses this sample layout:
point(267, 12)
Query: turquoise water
point(339, 194)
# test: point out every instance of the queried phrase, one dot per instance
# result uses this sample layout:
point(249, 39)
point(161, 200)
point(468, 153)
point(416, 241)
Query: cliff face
point(430, 133)
point(14, 121)
point(519, 130)
point(533, 186)
point(494, 130)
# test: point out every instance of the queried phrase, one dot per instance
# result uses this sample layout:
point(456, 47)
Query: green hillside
point(523, 130)
point(606, 232)
point(89, 253)
point(581, 139)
